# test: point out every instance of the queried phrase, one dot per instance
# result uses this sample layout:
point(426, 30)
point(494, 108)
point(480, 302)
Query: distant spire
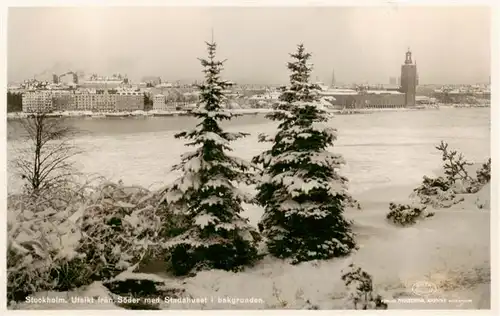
point(408, 57)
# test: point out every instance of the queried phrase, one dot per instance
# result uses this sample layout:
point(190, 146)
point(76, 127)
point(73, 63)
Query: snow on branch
point(207, 193)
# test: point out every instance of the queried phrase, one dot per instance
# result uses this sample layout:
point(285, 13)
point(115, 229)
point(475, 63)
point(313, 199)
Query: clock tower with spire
point(409, 80)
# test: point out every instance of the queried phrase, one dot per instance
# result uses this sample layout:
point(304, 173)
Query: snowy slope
point(444, 248)
point(451, 250)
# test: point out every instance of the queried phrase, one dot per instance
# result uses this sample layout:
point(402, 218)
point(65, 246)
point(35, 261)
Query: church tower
point(409, 80)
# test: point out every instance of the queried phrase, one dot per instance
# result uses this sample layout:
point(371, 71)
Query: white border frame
point(495, 129)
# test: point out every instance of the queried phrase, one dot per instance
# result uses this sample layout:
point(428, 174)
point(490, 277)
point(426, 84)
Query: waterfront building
point(83, 101)
point(424, 100)
point(105, 102)
point(129, 101)
point(341, 98)
point(381, 99)
point(101, 101)
point(160, 103)
point(93, 100)
point(37, 101)
point(63, 100)
point(350, 98)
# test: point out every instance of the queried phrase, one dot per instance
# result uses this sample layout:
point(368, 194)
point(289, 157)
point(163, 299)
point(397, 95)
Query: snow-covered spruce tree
point(300, 189)
point(207, 194)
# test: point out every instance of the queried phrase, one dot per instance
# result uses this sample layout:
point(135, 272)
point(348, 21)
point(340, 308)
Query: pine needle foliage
point(300, 189)
point(207, 193)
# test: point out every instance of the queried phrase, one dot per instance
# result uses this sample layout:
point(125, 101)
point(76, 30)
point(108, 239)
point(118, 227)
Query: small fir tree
point(300, 189)
point(206, 194)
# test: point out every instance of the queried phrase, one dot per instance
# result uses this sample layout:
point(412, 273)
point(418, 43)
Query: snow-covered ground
point(450, 251)
point(385, 162)
point(445, 250)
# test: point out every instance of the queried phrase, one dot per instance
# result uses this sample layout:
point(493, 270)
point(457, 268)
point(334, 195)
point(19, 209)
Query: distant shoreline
point(153, 113)
point(97, 115)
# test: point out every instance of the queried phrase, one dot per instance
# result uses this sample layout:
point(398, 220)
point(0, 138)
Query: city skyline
point(359, 43)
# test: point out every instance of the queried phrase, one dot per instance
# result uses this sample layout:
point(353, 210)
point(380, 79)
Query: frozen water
point(381, 149)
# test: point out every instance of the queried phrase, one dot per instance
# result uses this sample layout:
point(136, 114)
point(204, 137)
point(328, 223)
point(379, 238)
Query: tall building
point(409, 80)
point(94, 101)
point(130, 101)
point(105, 102)
point(64, 101)
point(38, 101)
point(159, 102)
point(83, 101)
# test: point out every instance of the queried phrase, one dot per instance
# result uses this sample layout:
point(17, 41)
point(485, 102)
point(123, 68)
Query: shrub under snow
point(483, 174)
point(438, 193)
point(66, 239)
point(360, 288)
point(120, 226)
point(444, 192)
point(406, 215)
point(42, 240)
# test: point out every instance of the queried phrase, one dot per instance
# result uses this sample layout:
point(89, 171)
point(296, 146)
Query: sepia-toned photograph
point(248, 157)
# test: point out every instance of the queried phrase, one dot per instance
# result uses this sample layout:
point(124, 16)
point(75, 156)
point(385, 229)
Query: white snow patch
point(203, 220)
point(124, 204)
point(451, 243)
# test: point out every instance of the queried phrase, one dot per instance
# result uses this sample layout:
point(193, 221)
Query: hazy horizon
point(451, 45)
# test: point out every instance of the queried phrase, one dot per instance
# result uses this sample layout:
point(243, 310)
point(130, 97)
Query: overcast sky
point(450, 44)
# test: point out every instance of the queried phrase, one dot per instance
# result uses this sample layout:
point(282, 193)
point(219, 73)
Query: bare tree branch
point(47, 162)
